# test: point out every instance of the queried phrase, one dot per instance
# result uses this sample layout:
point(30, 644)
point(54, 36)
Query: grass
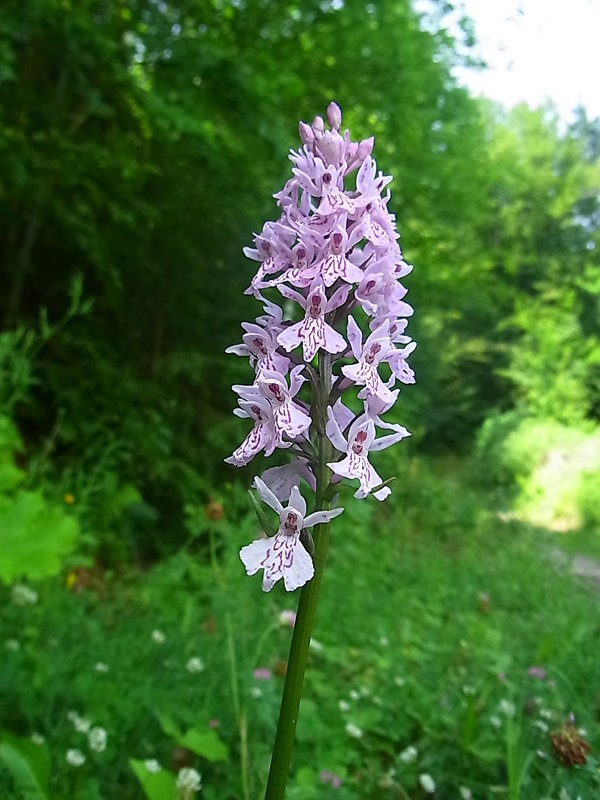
point(433, 611)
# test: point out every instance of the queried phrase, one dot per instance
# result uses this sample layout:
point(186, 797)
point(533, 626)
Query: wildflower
point(353, 730)
point(100, 666)
point(284, 556)
point(287, 617)
point(75, 758)
point(546, 713)
point(541, 725)
point(495, 722)
point(194, 665)
point(188, 781)
point(69, 499)
point(344, 706)
point(12, 644)
point(255, 692)
point(262, 674)
point(409, 754)
point(333, 248)
point(465, 793)
point(569, 745)
point(214, 510)
point(23, 595)
point(427, 783)
point(80, 724)
point(330, 777)
point(383, 641)
point(468, 690)
point(354, 695)
point(37, 738)
point(158, 637)
point(97, 740)
point(537, 672)
point(507, 707)
point(399, 680)
point(152, 765)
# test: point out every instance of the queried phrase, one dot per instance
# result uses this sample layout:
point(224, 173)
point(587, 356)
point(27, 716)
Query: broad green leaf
point(207, 744)
point(159, 785)
point(29, 765)
point(34, 536)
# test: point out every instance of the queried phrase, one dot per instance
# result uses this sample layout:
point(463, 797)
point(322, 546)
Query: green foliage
point(424, 638)
point(156, 785)
point(28, 764)
point(35, 535)
point(549, 471)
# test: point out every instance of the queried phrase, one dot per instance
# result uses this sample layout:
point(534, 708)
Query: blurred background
point(141, 142)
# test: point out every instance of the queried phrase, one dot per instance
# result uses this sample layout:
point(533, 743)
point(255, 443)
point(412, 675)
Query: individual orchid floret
point(336, 264)
point(369, 356)
point(313, 333)
point(263, 435)
point(281, 480)
point(356, 464)
point(290, 418)
point(260, 345)
point(284, 555)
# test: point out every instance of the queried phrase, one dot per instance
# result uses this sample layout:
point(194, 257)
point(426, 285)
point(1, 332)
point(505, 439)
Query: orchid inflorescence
point(333, 258)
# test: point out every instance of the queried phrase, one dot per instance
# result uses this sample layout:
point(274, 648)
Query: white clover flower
point(468, 690)
point(158, 637)
point(465, 793)
point(152, 765)
point(12, 644)
point(344, 706)
point(353, 730)
point(409, 754)
point(195, 665)
point(188, 781)
point(427, 783)
point(80, 724)
point(75, 758)
point(97, 740)
point(354, 695)
point(100, 666)
point(37, 738)
point(399, 680)
point(545, 713)
point(287, 617)
point(538, 723)
point(495, 722)
point(256, 692)
point(384, 641)
point(507, 707)
point(22, 595)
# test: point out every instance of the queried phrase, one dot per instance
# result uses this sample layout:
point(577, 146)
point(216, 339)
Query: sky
point(536, 50)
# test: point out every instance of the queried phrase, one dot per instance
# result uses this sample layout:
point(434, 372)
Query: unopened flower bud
point(365, 148)
point(318, 127)
point(306, 134)
point(334, 116)
point(331, 147)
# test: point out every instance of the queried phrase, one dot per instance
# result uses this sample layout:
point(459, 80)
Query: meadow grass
point(433, 612)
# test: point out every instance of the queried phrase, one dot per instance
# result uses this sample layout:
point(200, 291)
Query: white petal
point(253, 554)
point(267, 496)
point(297, 501)
point(318, 517)
point(300, 571)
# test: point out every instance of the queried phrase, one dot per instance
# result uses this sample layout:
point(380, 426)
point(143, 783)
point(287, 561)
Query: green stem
point(307, 607)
